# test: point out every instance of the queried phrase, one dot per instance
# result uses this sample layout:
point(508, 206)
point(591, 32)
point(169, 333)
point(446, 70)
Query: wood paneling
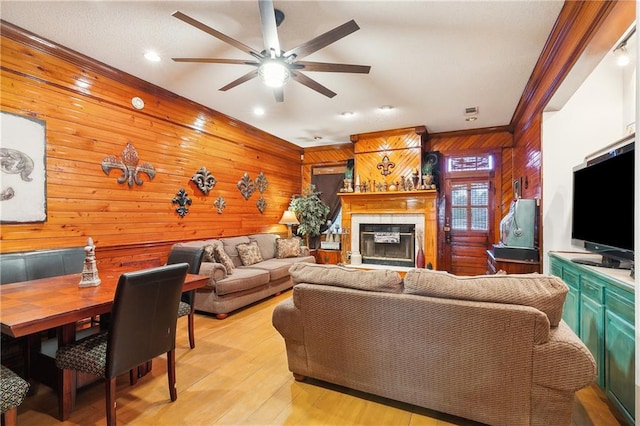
point(324, 156)
point(402, 147)
point(87, 109)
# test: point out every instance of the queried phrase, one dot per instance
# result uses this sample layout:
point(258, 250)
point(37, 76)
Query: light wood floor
point(237, 375)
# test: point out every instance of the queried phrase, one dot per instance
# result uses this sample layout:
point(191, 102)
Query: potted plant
point(427, 174)
point(311, 212)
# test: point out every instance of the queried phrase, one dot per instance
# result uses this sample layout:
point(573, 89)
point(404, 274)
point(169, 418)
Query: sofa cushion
point(543, 292)
point(266, 244)
point(242, 279)
point(249, 253)
point(301, 258)
point(229, 244)
point(222, 257)
point(288, 247)
point(277, 268)
point(383, 280)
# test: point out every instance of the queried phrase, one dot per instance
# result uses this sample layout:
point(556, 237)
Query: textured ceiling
point(429, 59)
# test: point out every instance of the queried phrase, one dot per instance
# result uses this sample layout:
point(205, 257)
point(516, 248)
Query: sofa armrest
point(564, 362)
point(216, 272)
point(287, 319)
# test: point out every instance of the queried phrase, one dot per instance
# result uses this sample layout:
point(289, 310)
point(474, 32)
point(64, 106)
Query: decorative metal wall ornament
point(130, 166)
point(183, 199)
point(261, 182)
point(246, 186)
point(385, 165)
point(204, 180)
point(220, 204)
point(261, 204)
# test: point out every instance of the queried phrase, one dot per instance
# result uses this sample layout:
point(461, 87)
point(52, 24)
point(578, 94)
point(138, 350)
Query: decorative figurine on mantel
point(90, 276)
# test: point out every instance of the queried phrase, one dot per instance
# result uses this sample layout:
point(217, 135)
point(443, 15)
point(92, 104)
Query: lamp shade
point(289, 218)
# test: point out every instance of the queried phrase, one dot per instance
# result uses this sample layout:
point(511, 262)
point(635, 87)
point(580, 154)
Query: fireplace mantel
point(394, 203)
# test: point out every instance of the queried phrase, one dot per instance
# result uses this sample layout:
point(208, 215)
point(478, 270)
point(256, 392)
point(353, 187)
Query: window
point(470, 163)
point(470, 206)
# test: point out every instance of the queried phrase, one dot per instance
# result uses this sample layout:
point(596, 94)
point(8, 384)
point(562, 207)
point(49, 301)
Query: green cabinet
point(600, 309)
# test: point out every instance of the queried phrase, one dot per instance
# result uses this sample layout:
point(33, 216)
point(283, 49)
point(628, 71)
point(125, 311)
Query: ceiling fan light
point(274, 73)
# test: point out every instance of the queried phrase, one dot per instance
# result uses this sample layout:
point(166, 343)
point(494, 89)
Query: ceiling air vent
point(471, 110)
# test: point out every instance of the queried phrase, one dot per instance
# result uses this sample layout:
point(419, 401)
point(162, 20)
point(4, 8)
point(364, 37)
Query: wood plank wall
point(327, 155)
point(87, 109)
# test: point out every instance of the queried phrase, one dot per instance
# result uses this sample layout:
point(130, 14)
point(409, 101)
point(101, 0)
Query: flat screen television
point(603, 207)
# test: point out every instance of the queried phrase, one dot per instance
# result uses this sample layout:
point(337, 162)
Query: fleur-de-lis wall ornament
point(220, 204)
point(261, 182)
point(246, 186)
point(385, 165)
point(183, 200)
point(204, 180)
point(261, 204)
point(130, 165)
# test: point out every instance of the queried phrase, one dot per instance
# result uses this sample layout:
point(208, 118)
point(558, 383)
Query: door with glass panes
point(469, 212)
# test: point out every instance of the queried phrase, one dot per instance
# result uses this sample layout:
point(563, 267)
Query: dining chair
point(13, 389)
point(142, 327)
point(193, 257)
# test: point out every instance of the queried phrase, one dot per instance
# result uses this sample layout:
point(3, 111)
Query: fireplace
point(387, 244)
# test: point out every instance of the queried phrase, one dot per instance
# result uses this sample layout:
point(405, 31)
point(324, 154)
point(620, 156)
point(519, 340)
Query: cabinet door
point(592, 332)
point(620, 354)
point(571, 312)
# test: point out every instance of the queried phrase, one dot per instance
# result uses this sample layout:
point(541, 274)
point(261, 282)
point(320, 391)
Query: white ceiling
point(429, 59)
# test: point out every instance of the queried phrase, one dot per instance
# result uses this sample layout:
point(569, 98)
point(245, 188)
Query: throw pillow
point(288, 247)
point(221, 256)
point(208, 255)
point(249, 253)
point(543, 292)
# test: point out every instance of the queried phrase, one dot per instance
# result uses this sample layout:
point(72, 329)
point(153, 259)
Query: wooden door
point(468, 214)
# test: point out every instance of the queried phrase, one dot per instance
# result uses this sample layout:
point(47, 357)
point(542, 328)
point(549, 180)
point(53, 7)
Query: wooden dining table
point(31, 307)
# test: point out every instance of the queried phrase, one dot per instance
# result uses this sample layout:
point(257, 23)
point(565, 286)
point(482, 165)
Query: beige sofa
point(234, 286)
point(490, 349)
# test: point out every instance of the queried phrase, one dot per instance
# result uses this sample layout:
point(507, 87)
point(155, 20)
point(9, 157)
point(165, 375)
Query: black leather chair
point(142, 327)
point(192, 256)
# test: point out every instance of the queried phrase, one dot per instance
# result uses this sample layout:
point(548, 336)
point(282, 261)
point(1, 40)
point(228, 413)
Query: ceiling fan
point(273, 65)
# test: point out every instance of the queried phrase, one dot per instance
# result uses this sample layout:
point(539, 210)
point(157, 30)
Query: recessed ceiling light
point(317, 138)
point(152, 56)
point(347, 114)
point(258, 111)
point(386, 108)
point(471, 119)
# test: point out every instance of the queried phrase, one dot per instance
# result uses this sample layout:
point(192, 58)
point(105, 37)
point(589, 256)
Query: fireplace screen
point(387, 244)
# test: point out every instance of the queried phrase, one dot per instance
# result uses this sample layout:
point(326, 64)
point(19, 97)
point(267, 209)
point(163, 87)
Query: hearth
point(387, 244)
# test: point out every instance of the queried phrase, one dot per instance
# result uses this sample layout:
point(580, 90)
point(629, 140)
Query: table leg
point(66, 378)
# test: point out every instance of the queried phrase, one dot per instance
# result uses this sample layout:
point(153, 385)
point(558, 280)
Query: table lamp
point(289, 218)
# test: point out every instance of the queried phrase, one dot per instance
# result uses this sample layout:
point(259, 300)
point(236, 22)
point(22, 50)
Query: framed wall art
point(23, 169)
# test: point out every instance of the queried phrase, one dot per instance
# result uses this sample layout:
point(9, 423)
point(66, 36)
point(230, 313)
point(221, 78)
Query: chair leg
point(171, 374)
point(192, 337)
point(110, 397)
point(10, 417)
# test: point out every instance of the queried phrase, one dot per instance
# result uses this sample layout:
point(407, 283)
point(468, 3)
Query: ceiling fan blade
point(278, 92)
point(269, 28)
point(323, 40)
point(217, 61)
point(217, 34)
point(248, 76)
point(328, 67)
point(312, 84)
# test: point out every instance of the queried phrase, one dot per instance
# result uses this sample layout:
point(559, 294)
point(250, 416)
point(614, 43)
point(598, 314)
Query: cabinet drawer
point(592, 289)
point(571, 278)
point(620, 306)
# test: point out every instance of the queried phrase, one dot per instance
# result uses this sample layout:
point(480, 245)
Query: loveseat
point(245, 269)
point(492, 349)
